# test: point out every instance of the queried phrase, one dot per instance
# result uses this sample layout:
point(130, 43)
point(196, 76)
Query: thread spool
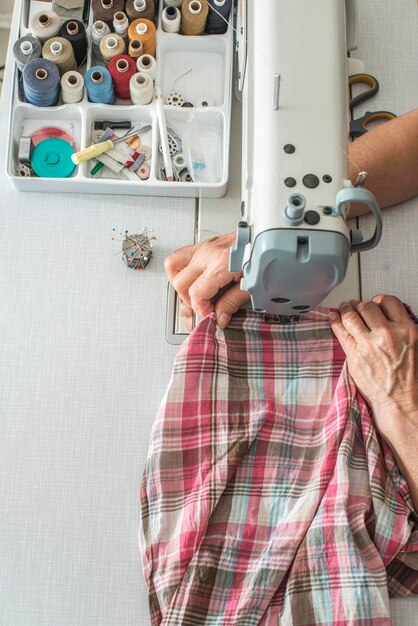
point(121, 24)
point(74, 31)
point(194, 14)
point(171, 20)
point(146, 64)
point(141, 88)
point(173, 3)
point(111, 46)
point(72, 87)
point(140, 9)
point(41, 82)
point(99, 85)
point(145, 31)
point(98, 30)
point(59, 51)
point(25, 49)
point(104, 10)
point(135, 49)
point(218, 16)
point(45, 25)
point(121, 69)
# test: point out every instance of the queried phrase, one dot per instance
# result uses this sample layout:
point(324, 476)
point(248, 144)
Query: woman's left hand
point(381, 344)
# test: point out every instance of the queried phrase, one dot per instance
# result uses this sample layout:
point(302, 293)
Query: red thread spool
point(122, 67)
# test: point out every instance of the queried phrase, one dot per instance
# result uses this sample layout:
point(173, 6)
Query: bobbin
point(175, 99)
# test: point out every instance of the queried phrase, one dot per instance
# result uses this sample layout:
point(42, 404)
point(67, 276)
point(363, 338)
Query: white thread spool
point(146, 64)
point(141, 88)
point(45, 25)
point(171, 19)
point(98, 30)
point(173, 3)
point(121, 24)
point(72, 87)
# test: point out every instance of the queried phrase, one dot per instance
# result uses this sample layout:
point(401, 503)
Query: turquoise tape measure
point(51, 158)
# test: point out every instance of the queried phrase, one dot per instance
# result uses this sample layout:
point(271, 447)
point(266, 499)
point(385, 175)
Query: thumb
point(229, 303)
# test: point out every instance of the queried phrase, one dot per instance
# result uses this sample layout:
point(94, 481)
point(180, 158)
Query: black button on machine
point(312, 217)
point(289, 148)
point(311, 181)
point(290, 182)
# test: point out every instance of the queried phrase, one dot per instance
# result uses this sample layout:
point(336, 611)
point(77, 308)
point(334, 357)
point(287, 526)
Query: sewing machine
point(293, 243)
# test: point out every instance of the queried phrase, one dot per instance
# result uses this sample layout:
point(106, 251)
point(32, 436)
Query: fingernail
point(333, 316)
point(223, 320)
point(343, 304)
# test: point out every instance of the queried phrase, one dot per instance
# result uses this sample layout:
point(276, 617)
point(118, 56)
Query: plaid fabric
point(268, 495)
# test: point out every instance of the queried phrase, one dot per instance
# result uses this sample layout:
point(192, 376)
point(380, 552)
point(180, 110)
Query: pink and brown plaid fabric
point(268, 495)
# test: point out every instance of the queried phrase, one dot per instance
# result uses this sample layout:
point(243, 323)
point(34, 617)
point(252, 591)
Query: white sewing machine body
point(293, 243)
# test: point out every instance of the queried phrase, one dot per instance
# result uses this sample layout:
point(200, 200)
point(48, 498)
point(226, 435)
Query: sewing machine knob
point(312, 218)
point(236, 252)
point(356, 236)
point(293, 212)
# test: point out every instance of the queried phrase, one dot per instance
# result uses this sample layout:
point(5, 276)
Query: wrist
point(397, 419)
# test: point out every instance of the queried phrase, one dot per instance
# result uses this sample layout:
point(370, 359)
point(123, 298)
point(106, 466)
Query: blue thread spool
point(51, 158)
point(99, 86)
point(41, 82)
point(218, 16)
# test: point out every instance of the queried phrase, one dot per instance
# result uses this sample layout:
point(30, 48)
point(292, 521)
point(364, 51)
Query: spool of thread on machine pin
point(121, 69)
point(104, 10)
point(135, 49)
point(194, 14)
point(171, 20)
point(59, 51)
point(111, 46)
point(140, 9)
point(25, 49)
point(141, 88)
point(121, 25)
point(98, 30)
point(45, 25)
point(99, 85)
point(146, 64)
point(145, 31)
point(41, 82)
point(72, 87)
point(74, 31)
point(218, 16)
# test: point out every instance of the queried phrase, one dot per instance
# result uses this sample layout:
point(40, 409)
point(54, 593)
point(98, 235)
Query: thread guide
point(210, 58)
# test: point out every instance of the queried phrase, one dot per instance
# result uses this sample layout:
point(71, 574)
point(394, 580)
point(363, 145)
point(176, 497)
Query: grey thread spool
point(45, 25)
point(121, 25)
point(98, 30)
point(25, 49)
point(60, 51)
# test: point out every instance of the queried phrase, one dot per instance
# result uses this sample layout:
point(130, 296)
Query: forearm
point(389, 154)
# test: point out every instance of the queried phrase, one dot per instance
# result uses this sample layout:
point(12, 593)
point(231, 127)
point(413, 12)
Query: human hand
point(381, 344)
point(197, 272)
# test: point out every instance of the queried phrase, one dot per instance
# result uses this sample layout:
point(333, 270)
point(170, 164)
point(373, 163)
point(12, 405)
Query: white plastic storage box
point(204, 130)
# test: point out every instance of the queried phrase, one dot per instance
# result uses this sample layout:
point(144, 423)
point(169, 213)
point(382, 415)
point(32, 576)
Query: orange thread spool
point(145, 31)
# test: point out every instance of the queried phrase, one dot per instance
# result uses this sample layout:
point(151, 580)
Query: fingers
point(208, 283)
point(179, 260)
point(371, 314)
point(229, 303)
point(352, 322)
point(392, 307)
point(187, 313)
point(183, 280)
point(346, 340)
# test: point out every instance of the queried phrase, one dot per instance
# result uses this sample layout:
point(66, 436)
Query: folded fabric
point(269, 496)
point(68, 9)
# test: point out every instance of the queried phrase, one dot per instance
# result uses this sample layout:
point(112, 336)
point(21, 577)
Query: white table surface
point(84, 364)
